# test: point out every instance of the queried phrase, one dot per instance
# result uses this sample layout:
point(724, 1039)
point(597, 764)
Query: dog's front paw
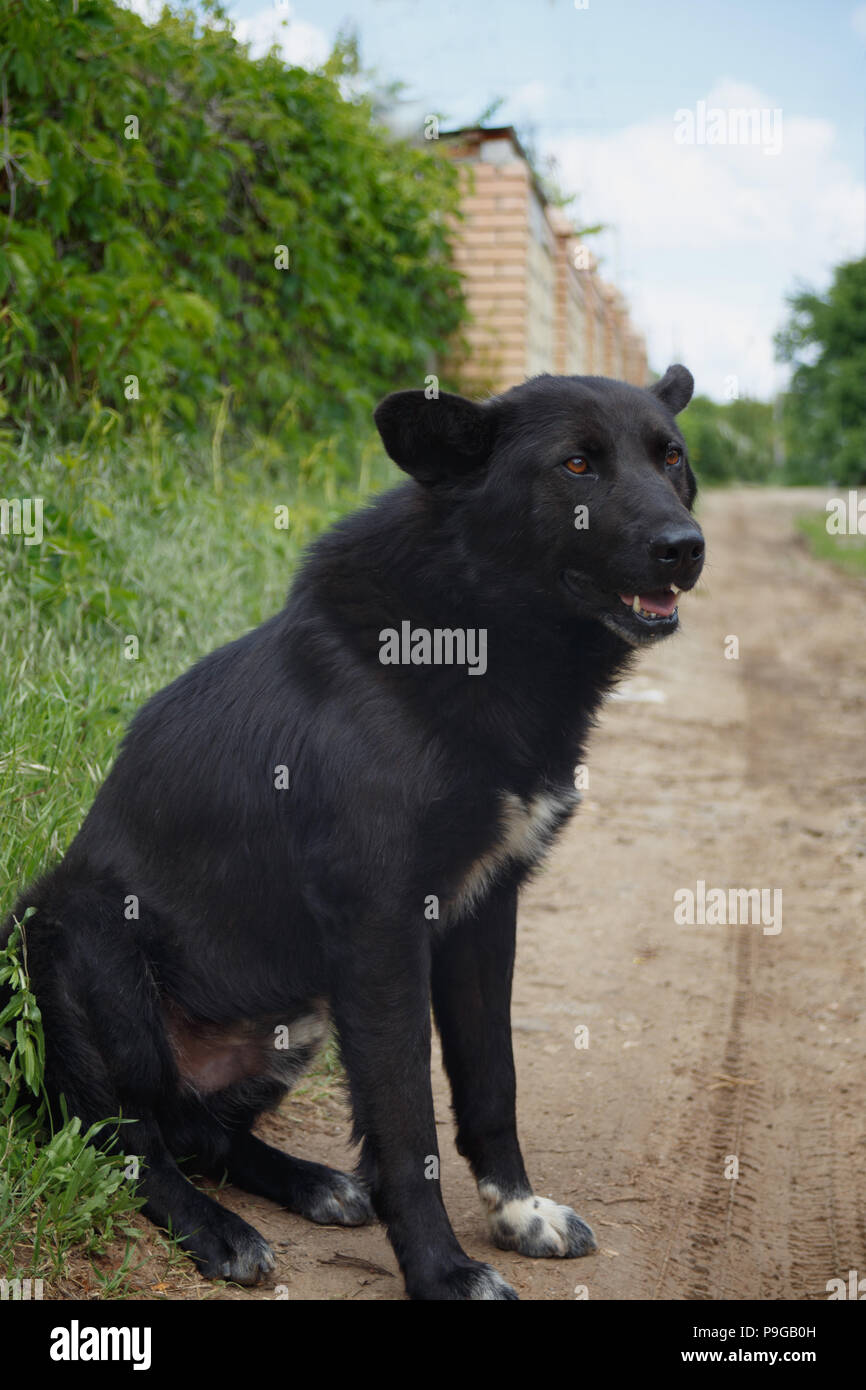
point(536, 1226)
point(470, 1281)
point(228, 1248)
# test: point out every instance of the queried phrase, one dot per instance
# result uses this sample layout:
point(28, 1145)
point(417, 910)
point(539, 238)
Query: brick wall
point(536, 301)
point(492, 253)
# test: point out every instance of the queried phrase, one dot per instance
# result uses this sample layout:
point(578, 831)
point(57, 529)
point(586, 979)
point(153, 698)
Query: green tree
point(731, 442)
point(824, 411)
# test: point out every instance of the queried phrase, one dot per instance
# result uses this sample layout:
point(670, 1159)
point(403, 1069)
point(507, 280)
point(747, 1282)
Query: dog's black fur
point(414, 790)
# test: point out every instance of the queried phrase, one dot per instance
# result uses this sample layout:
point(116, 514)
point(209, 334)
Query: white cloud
point(715, 236)
point(301, 44)
point(148, 10)
point(858, 21)
point(529, 100)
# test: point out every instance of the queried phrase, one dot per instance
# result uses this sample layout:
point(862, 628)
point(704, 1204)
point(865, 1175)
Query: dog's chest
point(523, 832)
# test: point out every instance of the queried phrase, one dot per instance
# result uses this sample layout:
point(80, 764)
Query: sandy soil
point(705, 1042)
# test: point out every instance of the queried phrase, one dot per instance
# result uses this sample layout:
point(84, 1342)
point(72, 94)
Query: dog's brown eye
point(673, 456)
point(577, 465)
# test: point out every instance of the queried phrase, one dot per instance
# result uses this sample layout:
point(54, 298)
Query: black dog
point(331, 817)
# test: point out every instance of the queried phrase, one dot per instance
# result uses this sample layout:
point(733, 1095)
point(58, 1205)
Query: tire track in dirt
point(712, 1216)
point(726, 1239)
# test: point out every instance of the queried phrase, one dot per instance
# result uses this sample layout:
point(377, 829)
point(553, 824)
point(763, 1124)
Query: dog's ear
point(437, 439)
point(675, 388)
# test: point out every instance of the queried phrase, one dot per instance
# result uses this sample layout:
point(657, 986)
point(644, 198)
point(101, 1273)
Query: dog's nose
point(679, 552)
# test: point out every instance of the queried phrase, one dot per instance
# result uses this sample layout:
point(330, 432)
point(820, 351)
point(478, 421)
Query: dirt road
point(710, 1047)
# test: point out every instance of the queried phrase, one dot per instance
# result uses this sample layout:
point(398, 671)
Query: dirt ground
point(705, 1042)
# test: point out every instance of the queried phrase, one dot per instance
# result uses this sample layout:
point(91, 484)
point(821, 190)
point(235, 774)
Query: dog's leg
point(107, 1054)
point(472, 968)
point(311, 1189)
point(223, 1245)
point(381, 1006)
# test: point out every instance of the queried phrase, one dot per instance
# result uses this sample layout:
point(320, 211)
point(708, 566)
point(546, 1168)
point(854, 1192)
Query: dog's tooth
point(636, 603)
point(675, 590)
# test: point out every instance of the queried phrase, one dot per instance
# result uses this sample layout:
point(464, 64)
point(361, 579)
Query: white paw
point(535, 1226)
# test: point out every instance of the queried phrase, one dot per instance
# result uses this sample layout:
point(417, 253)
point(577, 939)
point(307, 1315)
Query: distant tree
point(731, 442)
point(824, 410)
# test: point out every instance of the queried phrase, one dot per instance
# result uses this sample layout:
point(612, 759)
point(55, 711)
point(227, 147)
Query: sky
point(706, 239)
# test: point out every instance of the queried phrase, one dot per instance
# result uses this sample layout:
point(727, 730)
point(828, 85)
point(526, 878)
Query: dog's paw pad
point(537, 1226)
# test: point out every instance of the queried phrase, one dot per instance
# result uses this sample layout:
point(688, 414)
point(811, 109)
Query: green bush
point(732, 442)
point(154, 257)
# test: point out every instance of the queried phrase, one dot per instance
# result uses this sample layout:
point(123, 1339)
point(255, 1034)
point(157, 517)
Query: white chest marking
point(524, 835)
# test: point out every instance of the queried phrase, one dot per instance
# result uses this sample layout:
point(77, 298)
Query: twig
point(355, 1262)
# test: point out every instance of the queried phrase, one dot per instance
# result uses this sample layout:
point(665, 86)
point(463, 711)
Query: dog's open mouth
point(645, 617)
point(638, 617)
point(658, 605)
